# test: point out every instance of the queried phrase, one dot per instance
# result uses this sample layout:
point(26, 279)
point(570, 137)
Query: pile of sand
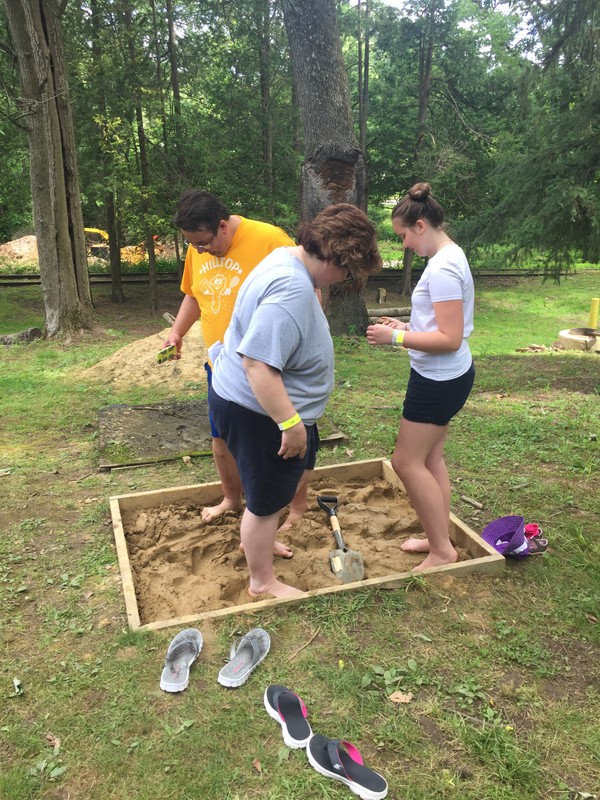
point(24, 249)
point(135, 364)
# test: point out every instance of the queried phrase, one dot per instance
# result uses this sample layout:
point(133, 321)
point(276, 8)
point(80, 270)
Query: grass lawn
point(502, 674)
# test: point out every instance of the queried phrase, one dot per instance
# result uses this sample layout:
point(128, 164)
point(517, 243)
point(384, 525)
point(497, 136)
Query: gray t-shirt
point(277, 319)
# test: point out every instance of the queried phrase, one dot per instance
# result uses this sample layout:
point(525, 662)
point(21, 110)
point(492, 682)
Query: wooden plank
point(131, 605)
point(197, 493)
point(388, 582)
point(368, 468)
point(483, 557)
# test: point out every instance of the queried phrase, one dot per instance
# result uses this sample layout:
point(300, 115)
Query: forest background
point(496, 104)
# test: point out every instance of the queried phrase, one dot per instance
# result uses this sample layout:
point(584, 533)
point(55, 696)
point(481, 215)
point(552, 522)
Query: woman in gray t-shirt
point(273, 374)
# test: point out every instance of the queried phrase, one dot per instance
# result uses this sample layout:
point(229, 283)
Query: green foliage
point(506, 132)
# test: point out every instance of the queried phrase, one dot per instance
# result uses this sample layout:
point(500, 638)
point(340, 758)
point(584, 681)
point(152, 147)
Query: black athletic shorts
point(436, 402)
point(268, 480)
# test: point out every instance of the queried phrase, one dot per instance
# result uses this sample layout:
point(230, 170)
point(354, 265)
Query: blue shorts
point(213, 428)
point(436, 402)
point(269, 481)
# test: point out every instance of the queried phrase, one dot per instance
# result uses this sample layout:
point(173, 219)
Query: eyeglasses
point(202, 245)
point(349, 276)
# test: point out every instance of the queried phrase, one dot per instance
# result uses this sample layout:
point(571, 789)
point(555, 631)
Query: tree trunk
point(425, 67)
point(264, 60)
point(37, 35)
point(334, 167)
point(363, 75)
point(114, 249)
point(174, 65)
point(110, 213)
point(144, 165)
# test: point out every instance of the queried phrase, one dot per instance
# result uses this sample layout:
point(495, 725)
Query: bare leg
point(418, 461)
point(280, 550)
point(299, 504)
point(258, 536)
point(437, 466)
point(232, 491)
point(230, 481)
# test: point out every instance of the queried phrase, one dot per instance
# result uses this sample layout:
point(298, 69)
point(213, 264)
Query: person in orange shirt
point(223, 249)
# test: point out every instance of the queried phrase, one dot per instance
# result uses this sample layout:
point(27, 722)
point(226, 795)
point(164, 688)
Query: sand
point(135, 364)
point(183, 566)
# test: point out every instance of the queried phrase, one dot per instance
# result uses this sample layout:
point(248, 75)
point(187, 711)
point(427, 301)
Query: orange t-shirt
point(215, 280)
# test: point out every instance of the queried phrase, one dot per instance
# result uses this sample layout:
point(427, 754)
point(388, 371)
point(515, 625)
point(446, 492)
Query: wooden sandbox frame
point(483, 557)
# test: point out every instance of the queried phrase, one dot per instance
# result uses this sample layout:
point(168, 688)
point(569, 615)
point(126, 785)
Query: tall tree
point(426, 48)
point(363, 72)
point(334, 169)
point(36, 34)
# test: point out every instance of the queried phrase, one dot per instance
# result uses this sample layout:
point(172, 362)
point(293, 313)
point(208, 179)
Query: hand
point(379, 334)
point(293, 442)
point(176, 339)
point(393, 323)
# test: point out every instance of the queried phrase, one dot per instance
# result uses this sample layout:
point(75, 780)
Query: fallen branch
point(295, 653)
point(471, 502)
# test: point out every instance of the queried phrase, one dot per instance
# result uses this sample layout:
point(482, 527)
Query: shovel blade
point(347, 565)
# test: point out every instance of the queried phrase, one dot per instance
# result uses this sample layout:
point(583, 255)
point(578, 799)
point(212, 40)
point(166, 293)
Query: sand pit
point(181, 566)
point(176, 570)
point(135, 364)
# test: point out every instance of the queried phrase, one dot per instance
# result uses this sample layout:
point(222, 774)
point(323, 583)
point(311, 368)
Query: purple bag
point(507, 536)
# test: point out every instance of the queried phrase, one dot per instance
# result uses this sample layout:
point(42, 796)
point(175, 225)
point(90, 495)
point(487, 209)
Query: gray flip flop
point(181, 654)
point(244, 658)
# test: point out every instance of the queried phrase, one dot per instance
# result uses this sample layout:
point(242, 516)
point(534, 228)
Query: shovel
point(347, 565)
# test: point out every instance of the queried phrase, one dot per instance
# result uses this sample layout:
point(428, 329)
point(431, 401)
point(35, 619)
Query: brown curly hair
point(344, 235)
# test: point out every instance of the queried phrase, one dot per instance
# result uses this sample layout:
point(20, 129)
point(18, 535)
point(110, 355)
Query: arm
point(189, 312)
point(446, 339)
point(268, 388)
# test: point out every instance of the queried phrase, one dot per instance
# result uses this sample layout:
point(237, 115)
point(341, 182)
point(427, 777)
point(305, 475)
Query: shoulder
point(449, 259)
point(265, 230)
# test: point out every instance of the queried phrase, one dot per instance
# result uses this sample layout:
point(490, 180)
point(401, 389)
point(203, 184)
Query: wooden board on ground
point(162, 542)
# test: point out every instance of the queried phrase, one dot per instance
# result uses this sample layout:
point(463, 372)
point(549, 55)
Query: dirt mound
point(23, 249)
point(135, 364)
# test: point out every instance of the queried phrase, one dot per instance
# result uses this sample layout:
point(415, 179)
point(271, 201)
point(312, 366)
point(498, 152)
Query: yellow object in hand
point(166, 353)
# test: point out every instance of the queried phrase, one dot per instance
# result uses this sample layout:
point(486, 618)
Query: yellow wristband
point(289, 423)
point(398, 338)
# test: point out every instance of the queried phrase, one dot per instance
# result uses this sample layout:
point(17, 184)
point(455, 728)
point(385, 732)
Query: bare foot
point(414, 545)
point(280, 550)
point(276, 589)
point(437, 560)
point(293, 518)
point(211, 513)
